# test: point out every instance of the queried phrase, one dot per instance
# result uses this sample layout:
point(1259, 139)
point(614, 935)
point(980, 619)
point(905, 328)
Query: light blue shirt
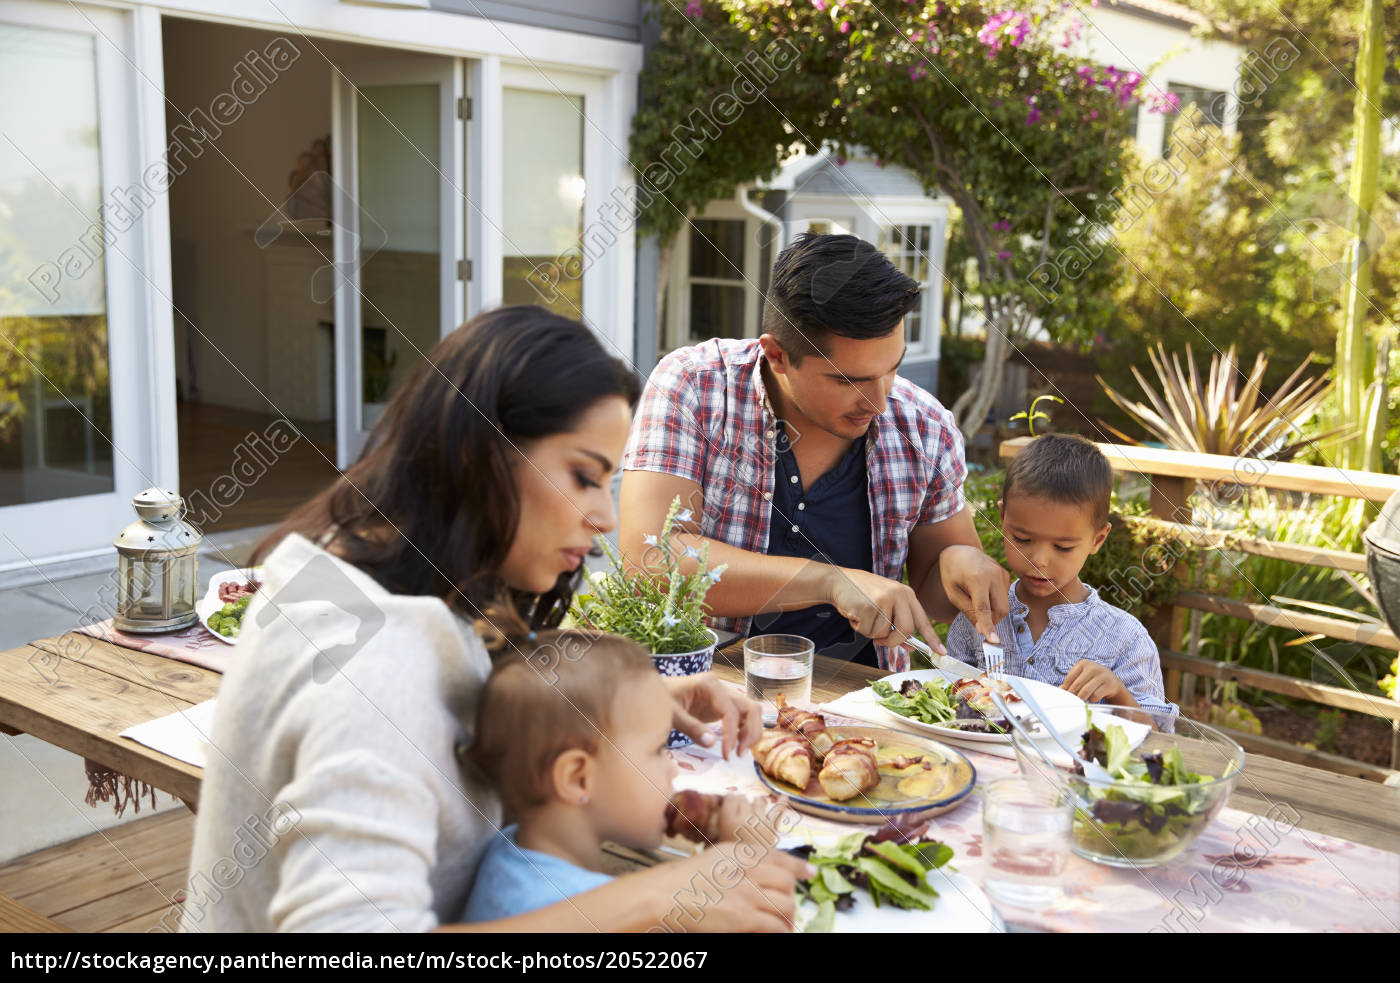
point(513, 880)
point(1093, 629)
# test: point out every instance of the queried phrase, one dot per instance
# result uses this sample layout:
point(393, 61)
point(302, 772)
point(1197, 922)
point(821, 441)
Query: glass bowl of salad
point(1171, 776)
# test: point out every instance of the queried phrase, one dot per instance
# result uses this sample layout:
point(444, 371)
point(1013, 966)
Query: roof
point(825, 173)
point(1161, 10)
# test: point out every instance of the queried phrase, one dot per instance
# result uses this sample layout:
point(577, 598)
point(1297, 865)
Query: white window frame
point(677, 329)
point(868, 218)
point(608, 272)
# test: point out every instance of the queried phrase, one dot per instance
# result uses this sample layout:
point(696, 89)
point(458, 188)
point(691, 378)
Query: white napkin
point(183, 734)
point(863, 704)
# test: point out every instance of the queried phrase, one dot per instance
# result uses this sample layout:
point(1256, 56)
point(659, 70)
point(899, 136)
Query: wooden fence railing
point(1172, 478)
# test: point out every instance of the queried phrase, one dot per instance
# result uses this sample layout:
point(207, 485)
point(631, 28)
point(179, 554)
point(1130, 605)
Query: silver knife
point(944, 662)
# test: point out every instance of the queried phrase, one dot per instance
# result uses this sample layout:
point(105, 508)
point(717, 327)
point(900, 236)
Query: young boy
point(1054, 513)
point(577, 750)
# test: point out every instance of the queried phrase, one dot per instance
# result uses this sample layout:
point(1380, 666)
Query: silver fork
point(995, 660)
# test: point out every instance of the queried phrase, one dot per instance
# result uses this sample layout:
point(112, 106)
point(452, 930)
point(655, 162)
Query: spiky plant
point(1226, 412)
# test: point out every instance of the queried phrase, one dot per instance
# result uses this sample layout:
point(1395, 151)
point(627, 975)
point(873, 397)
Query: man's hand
point(977, 586)
point(883, 610)
point(702, 699)
point(1093, 682)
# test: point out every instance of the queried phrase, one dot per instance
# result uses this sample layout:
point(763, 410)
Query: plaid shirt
point(705, 416)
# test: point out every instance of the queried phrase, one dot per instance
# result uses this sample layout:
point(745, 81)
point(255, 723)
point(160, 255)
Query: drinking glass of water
point(776, 664)
point(1026, 840)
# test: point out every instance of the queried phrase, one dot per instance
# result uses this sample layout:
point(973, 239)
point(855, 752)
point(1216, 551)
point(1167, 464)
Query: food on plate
point(785, 755)
point(923, 783)
point(849, 768)
point(890, 865)
point(235, 594)
point(809, 725)
point(694, 816)
point(1153, 804)
point(965, 704)
point(232, 590)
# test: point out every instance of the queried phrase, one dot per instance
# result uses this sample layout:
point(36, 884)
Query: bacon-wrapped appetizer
point(694, 816)
point(806, 724)
point(784, 755)
point(850, 768)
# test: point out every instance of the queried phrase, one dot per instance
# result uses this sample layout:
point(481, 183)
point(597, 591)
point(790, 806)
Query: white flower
point(683, 515)
point(650, 540)
point(598, 577)
point(692, 552)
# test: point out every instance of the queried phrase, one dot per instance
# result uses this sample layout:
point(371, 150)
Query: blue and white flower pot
point(686, 664)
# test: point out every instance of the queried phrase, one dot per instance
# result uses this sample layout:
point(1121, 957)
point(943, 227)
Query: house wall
point(619, 19)
point(1165, 52)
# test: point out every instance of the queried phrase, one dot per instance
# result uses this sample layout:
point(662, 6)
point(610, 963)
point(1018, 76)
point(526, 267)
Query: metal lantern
point(157, 566)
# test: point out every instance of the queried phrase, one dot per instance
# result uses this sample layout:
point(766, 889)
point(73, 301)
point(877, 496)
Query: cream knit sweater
point(333, 799)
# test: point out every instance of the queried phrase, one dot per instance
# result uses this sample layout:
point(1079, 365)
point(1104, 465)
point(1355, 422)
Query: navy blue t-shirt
point(829, 522)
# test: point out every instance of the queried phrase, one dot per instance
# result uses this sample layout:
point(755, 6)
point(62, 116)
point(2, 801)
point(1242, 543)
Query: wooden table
point(80, 693)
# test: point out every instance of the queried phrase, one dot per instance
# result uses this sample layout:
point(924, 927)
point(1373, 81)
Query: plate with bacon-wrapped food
point(859, 774)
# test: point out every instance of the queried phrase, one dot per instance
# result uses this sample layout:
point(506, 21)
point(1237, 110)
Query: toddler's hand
point(1096, 683)
point(738, 813)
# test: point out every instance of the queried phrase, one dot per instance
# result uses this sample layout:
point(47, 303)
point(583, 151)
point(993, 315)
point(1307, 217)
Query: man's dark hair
point(833, 284)
point(1062, 468)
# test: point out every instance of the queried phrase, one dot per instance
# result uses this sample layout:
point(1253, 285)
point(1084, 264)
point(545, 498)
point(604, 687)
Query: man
point(815, 471)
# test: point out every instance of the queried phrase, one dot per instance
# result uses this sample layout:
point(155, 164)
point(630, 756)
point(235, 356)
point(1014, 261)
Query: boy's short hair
point(550, 694)
point(1062, 468)
point(824, 285)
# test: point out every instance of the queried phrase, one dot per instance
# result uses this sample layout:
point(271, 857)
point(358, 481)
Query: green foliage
point(659, 606)
point(1034, 413)
point(1224, 413)
point(984, 105)
point(1263, 580)
point(1208, 258)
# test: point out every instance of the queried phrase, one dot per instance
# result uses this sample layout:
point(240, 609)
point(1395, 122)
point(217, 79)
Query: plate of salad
point(888, 883)
point(223, 604)
point(947, 707)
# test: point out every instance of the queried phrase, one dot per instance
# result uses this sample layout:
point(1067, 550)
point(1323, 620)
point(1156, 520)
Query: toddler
point(1054, 512)
point(572, 729)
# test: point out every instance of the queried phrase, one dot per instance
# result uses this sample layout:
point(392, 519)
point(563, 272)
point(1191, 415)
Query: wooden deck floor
point(119, 880)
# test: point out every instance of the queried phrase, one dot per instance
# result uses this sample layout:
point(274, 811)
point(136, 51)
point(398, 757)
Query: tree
point(985, 105)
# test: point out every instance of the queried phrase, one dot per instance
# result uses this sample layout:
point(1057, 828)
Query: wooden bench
point(1172, 478)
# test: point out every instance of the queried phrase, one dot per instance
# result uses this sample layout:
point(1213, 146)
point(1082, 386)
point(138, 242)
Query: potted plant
point(657, 605)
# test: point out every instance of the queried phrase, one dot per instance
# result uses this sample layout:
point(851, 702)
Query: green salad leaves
point(893, 873)
point(930, 703)
point(1157, 802)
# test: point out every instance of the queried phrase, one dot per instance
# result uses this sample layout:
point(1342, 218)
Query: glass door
point(75, 436)
point(399, 174)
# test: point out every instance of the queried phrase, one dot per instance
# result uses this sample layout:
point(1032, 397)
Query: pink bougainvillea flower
point(819, 4)
point(1033, 117)
point(1001, 225)
point(1003, 255)
point(1093, 114)
point(845, 27)
point(692, 9)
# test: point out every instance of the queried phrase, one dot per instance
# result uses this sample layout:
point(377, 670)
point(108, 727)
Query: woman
point(334, 798)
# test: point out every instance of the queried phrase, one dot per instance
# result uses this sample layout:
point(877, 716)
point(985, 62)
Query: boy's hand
point(1096, 683)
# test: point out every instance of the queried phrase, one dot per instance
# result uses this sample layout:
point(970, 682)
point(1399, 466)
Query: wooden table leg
point(190, 805)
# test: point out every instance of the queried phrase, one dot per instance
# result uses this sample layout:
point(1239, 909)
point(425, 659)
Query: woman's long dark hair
point(431, 506)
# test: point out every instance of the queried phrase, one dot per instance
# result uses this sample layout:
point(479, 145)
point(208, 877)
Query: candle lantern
point(157, 566)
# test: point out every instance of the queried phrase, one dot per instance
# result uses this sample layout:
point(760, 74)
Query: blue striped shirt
point(1093, 629)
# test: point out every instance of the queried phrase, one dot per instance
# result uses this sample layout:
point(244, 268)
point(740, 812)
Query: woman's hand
point(702, 699)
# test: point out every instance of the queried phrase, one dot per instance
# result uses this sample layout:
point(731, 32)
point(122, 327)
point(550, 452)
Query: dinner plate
point(210, 603)
point(1065, 710)
point(926, 792)
point(961, 907)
